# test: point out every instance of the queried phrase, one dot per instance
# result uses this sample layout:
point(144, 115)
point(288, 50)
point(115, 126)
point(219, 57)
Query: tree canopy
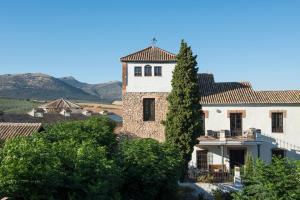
point(182, 124)
point(67, 161)
point(150, 169)
point(83, 160)
point(277, 180)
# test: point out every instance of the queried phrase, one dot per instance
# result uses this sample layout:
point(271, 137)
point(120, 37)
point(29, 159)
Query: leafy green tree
point(71, 161)
point(28, 169)
point(150, 169)
point(98, 130)
point(277, 180)
point(183, 122)
point(81, 160)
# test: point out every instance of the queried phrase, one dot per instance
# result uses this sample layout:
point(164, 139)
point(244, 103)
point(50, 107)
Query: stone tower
point(146, 77)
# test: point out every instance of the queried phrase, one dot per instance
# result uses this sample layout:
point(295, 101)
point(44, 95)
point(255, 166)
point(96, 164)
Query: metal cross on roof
point(154, 41)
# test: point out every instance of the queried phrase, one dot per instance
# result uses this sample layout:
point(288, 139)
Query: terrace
point(224, 137)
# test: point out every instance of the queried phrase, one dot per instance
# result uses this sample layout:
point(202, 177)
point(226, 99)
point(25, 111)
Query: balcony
point(230, 137)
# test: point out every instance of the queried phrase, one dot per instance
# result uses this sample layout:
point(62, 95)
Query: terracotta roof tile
point(241, 93)
point(60, 104)
point(10, 130)
point(150, 54)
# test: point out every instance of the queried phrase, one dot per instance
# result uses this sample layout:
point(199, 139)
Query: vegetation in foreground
point(274, 181)
point(83, 160)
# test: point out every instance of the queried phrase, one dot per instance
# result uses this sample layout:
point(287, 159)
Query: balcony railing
point(227, 134)
point(209, 176)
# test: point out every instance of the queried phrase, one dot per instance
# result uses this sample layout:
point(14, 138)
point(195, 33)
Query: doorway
point(236, 157)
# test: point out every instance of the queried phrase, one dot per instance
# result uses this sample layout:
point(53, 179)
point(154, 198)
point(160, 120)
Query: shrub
point(221, 195)
point(150, 169)
point(277, 180)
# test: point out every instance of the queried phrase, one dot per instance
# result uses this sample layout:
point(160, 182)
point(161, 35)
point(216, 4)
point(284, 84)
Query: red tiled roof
point(150, 54)
point(286, 96)
point(241, 93)
point(10, 130)
point(60, 104)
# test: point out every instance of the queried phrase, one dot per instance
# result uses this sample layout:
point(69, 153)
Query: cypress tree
point(183, 121)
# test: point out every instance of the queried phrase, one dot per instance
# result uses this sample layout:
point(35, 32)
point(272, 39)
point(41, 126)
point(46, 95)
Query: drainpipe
point(258, 151)
point(222, 153)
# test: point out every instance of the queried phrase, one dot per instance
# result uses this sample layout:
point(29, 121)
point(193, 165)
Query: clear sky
point(237, 40)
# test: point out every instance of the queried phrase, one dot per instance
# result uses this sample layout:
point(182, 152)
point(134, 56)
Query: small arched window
point(148, 70)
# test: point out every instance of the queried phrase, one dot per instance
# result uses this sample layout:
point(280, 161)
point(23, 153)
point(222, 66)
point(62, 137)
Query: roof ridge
point(20, 123)
point(151, 53)
point(165, 51)
point(277, 90)
point(136, 52)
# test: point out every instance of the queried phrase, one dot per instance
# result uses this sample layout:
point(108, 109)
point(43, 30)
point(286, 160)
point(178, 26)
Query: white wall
point(257, 116)
point(149, 83)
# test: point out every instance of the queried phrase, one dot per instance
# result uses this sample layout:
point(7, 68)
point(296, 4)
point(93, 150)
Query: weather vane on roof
point(154, 41)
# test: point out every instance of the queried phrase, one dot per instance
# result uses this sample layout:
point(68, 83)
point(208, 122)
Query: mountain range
point(44, 87)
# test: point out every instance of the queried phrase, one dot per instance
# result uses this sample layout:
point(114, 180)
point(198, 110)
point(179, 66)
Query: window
point(201, 159)
point(277, 122)
point(149, 109)
point(279, 153)
point(137, 71)
point(148, 70)
point(236, 124)
point(157, 71)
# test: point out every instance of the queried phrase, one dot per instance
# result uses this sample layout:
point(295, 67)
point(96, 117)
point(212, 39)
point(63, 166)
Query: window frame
point(234, 131)
point(157, 67)
point(148, 109)
point(139, 74)
point(146, 74)
point(277, 122)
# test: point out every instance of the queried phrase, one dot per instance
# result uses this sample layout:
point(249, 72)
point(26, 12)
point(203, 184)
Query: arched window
point(148, 70)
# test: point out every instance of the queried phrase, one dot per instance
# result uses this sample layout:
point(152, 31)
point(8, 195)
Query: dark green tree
point(183, 122)
point(150, 169)
point(277, 180)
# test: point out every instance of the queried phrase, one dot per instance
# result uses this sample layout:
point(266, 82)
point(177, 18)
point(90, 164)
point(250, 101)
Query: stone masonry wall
point(133, 115)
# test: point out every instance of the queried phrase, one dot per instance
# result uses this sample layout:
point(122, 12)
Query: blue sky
point(257, 41)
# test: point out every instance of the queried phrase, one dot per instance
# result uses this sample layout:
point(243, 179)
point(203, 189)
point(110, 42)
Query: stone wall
point(133, 115)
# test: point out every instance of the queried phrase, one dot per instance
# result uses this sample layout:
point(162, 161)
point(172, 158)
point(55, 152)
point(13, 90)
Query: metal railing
point(231, 134)
point(210, 176)
point(276, 141)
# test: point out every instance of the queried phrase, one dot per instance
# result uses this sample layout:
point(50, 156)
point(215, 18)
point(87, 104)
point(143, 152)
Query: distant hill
point(111, 90)
point(44, 87)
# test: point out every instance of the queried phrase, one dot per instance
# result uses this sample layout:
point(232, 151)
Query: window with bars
point(149, 109)
point(137, 71)
point(157, 71)
point(277, 122)
point(148, 70)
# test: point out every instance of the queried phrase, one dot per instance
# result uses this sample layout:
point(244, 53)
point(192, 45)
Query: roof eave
point(148, 61)
point(250, 104)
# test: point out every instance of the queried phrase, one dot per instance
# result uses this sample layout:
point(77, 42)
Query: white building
point(237, 120)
